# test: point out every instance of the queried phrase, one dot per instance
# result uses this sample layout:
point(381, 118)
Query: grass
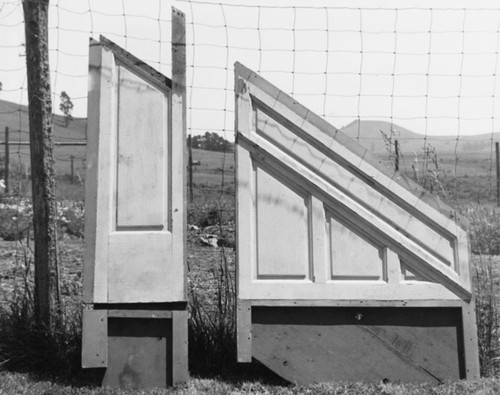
point(487, 296)
point(15, 383)
point(53, 361)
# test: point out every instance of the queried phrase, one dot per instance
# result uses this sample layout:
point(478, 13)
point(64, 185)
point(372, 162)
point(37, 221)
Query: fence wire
point(423, 75)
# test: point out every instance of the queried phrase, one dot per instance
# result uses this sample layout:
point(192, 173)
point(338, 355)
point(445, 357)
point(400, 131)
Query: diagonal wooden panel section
point(295, 143)
point(288, 136)
point(415, 254)
point(374, 239)
point(311, 345)
point(417, 214)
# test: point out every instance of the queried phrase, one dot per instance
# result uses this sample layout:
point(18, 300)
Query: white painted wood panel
point(343, 290)
point(353, 256)
point(374, 238)
point(135, 250)
point(416, 255)
point(367, 214)
point(294, 143)
point(140, 268)
point(142, 153)
point(282, 218)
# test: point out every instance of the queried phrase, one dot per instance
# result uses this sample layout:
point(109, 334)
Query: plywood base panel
point(139, 353)
point(311, 345)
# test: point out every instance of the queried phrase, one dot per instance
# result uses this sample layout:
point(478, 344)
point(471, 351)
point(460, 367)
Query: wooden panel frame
point(412, 224)
point(104, 58)
point(309, 344)
point(94, 339)
point(469, 335)
point(252, 90)
point(100, 217)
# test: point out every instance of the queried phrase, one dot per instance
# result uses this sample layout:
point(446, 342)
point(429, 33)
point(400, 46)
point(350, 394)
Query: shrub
point(15, 220)
point(212, 322)
point(13, 225)
point(26, 346)
point(211, 211)
point(486, 279)
point(484, 229)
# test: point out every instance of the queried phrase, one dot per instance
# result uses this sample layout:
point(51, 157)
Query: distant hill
point(371, 138)
point(15, 117)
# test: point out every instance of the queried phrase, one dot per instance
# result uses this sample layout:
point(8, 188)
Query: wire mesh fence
point(416, 85)
point(425, 76)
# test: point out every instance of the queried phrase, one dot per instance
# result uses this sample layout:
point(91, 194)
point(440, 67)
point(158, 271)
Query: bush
point(71, 218)
point(26, 346)
point(484, 229)
point(212, 322)
point(486, 279)
point(15, 221)
point(211, 212)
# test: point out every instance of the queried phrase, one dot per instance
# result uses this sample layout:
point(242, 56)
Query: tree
point(211, 141)
point(66, 107)
point(47, 300)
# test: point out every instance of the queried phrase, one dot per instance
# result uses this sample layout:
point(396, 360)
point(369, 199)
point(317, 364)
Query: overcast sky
point(429, 66)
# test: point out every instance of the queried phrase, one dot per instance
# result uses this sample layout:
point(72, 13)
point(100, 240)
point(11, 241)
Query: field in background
point(466, 166)
point(468, 180)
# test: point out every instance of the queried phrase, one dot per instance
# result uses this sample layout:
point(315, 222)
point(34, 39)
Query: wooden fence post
point(396, 154)
point(7, 160)
point(72, 158)
point(498, 172)
point(47, 300)
point(190, 168)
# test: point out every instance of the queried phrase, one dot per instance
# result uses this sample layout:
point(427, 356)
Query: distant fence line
point(424, 65)
point(7, 143)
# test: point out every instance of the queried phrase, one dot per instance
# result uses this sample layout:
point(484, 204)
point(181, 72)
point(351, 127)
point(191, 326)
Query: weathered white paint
point(135, 211)
point(135, 262)
point(99, 181)
point(143, 153)
point(352, 255)
point(282, 218)
point(320, 224)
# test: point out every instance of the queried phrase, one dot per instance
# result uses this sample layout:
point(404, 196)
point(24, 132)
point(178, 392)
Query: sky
point(428, 66)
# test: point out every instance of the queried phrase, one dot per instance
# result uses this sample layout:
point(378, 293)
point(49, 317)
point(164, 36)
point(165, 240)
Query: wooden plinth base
point(310, 345)
point(136, 348)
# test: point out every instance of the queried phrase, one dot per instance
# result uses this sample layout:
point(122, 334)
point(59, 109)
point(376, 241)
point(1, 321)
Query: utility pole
point(498, 173)
point(396, 154)
point(47, 299)
point(72, 159)
point(7, 160)
point(190, 168)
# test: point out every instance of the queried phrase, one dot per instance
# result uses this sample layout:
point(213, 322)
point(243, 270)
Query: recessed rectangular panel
point(408, 275)
point(352, 255)
point(282, 229)
point(141, 268)
point(139, 353)
point(142, 179)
